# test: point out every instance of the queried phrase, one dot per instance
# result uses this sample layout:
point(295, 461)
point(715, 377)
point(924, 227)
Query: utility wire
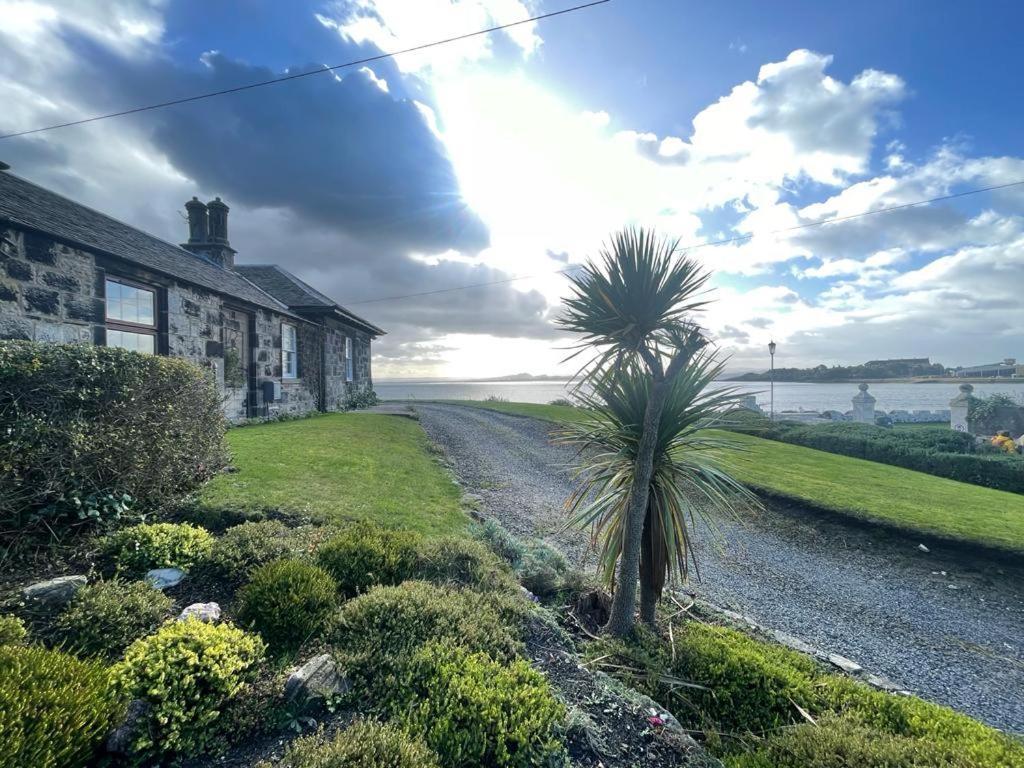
point(288, 78)
point(695, 246)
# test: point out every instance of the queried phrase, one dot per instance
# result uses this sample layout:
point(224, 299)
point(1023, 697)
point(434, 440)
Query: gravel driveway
point(948, 627)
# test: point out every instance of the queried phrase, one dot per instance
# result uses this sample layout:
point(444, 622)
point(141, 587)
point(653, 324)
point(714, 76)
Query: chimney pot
point(218, 221)
point(198, 221)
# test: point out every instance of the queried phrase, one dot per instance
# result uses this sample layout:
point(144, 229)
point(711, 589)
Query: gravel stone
point(855, 590)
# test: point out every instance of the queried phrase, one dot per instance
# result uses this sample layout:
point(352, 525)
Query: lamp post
point(771, 352)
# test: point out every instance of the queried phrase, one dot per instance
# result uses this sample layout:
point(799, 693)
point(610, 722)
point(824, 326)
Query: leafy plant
point(685, 481)
point(982, 409)
point(460, 562)
point(377, 633)
point(364, 554)
point(563, 401)
point(105, 617)
point(234, 372)
point(143, 547)
point(55, 710)
point(187, 672)
point(363, 398)
point(364, 744)
point(288, 602)
point(542, 569)
point(12, 631)
point(473, 710)
point(86, 422)
point(500, 541)
point(632, 312)
point(244, 548)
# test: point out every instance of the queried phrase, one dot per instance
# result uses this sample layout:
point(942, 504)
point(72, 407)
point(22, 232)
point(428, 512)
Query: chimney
point(208, 232)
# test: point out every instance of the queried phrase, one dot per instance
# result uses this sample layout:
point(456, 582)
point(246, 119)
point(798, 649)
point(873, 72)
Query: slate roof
point(26, 204)
point(298, 294)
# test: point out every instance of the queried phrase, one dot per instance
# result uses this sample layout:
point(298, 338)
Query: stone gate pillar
point(959, 408)
point(863, 406)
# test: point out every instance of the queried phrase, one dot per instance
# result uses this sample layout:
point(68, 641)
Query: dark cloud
point(337, 150)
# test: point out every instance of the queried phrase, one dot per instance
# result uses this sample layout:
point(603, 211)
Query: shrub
point(500, 541)
point(366, 398)
point(563, 401)
point(363, 555)
point(105, 617)
point(137, 549)
point(475, 711)
point(377, 633)
point(12, 631)
point(80, 421)
point(454, 560)
point(186, 672)
point(244, 548)
point(364, 744)
point(55, 710)
point(287, 602)
point(543, 569)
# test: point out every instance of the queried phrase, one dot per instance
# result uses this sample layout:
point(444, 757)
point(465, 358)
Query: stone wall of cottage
point(52, 292)
point(48, 291)
point(337, 388)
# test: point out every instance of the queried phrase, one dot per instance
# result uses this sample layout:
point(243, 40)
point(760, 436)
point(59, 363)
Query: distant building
point(1009, 368)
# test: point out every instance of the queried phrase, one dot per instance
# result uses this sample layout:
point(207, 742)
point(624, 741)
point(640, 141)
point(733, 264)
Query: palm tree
point(685, 482)
point(632, 309)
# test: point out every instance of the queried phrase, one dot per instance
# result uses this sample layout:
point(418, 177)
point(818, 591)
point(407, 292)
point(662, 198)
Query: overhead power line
point(709, 243)
point(288, 78)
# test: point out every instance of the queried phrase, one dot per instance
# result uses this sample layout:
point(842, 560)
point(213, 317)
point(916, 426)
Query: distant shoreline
point(912, 380)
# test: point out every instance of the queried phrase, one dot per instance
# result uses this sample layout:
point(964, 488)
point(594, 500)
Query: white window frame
point(349, 363)
point(289, 351)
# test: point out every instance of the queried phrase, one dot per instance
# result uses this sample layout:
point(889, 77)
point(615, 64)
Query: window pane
point(136, 342)
point(289, 367)
point(130, 304)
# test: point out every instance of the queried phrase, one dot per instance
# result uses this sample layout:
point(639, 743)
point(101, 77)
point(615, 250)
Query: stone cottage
point(274, 343)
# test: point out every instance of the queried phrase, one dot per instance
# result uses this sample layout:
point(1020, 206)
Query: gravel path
point(947, 627)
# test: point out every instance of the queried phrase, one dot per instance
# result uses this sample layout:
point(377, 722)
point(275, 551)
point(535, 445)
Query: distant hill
point(903, 368)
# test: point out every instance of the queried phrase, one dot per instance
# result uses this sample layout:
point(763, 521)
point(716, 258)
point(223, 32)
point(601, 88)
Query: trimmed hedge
point(936, 451)
point(83, 422)
point(55, 710)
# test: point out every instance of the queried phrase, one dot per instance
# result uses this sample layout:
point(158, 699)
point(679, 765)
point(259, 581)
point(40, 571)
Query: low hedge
point(140, 548)
point(288, 602)
point(82, 422)
point(105, 617)
point(364, 554)
point(55, 710)
point(935, 451)
point(364, 744)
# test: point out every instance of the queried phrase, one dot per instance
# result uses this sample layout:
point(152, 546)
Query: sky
point(517, 154)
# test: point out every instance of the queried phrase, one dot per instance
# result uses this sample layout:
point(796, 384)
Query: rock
point(208, 612)
point(923, 548)
point(844, 663)
point(162, 578)
point(54, 593)
point(120, 740)
point(315, 681)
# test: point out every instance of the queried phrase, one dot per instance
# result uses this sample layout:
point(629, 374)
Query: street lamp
point(771, 352)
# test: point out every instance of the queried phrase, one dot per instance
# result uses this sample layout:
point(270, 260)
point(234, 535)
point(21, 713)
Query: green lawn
point(341, 466)
point(864, 489)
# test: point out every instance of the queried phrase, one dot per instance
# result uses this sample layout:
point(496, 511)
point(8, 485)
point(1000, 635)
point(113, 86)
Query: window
point(289, 358)
point(131, 316)
point(348, 359)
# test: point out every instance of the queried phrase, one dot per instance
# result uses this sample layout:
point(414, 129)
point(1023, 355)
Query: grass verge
point(867, 490)
point(343, 466)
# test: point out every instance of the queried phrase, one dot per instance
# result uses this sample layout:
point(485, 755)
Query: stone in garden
point(162, 578)
point(120, 740)
point(54, 592)
point(315, 681)
point(845, 664)
point(923, 548)
point(208, 612)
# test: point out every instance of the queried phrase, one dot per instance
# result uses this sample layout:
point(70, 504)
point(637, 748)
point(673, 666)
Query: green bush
point(140, 548)
point(288, 602)
point(364, 744)
point(377, 633)
point(55, 710)
point(473, 711)
point(244, 548)
point(543, 569)
point(461, 562)
point(501, 542)
point(187, 672)
point(105, 617)
point(365, 398)
point(364, 555)
point(83, 421)
point(12, 631)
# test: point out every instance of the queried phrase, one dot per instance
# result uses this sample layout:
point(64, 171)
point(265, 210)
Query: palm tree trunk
point(653, 567)
point(623, 613)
